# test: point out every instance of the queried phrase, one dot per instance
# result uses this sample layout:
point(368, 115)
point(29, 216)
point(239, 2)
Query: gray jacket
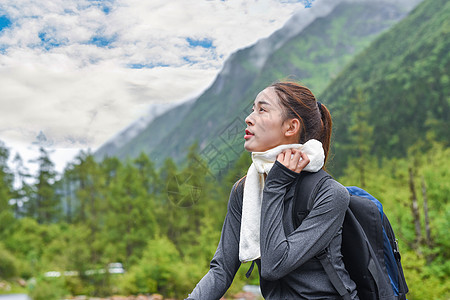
point(287, 268)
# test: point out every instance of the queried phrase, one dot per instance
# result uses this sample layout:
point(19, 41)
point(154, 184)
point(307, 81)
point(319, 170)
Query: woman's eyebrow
point(263, 102)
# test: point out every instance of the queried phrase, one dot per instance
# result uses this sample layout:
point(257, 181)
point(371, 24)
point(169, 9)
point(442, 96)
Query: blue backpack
point(369, 247)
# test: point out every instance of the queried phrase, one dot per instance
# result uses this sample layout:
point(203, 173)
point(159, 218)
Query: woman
point(259, 226)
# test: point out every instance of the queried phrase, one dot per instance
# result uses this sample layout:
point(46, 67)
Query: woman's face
point(265, 128)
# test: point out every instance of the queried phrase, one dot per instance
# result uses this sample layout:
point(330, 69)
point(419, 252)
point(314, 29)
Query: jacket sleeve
point(225, 262)
point(281, 254)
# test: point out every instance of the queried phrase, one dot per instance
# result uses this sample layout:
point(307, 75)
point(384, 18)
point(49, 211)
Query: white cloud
point(142, 32)
point(89, 104)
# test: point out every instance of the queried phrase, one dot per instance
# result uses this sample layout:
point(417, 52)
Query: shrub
point(48, 289)
point(8, 264)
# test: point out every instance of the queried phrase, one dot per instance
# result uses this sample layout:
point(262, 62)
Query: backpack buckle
point(396, 251)
point(322, 254)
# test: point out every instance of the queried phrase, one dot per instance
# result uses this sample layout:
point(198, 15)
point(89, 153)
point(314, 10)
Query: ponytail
point(327, 126)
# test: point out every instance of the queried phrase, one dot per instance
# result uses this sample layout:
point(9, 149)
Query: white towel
point(249, 245)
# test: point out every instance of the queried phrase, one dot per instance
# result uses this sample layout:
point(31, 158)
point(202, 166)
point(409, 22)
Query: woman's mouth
point(248, 134)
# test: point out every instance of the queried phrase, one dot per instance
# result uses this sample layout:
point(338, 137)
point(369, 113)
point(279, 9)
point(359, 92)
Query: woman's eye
point(261, 109)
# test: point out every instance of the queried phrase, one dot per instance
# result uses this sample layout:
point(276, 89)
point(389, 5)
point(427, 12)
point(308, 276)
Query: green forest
point(163, 225)
point(402, 83)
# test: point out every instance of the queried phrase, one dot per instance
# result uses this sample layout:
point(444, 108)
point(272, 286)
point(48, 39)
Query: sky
point(79, 71)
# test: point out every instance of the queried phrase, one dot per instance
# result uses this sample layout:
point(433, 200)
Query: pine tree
point(91, 183)
point(361, 135)
point(238, 170)
point(110, 167)
point(68, 186)
point(165, 211)
point(148, 175)
point(91, 207)
point(6, 191)
point(23, 187)
point(44, 205)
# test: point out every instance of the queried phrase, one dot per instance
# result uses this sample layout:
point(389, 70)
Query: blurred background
point(122, 126)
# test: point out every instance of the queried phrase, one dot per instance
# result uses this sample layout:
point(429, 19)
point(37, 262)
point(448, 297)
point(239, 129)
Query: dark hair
point(315, 119)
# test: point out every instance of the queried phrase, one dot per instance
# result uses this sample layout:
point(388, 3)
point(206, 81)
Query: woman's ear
point(292, 127)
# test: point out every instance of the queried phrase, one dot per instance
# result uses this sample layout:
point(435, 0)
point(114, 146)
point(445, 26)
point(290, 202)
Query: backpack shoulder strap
point(306, 188)
point(336, 281)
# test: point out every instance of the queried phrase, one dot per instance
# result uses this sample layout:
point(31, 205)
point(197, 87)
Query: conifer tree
point(23, 187)
point(361, 135)
point(238, 171)
point(68, 186)
point(197, 201)
point(6, 190)
point(110, 167)
point(90, 183)
point(148, 175)
point(90, 198)
point(45, 206)
point(166, 211)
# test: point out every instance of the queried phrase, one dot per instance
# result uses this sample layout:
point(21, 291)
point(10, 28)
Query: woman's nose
point(249, 120)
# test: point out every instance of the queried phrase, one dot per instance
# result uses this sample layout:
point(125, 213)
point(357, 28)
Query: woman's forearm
point(281, 254)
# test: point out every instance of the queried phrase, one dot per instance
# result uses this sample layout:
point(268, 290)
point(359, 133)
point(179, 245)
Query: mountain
point(312, 48)
point(403, 79)
point(136, 128)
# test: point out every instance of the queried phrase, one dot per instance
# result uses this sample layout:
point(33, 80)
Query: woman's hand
point(293, 159)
